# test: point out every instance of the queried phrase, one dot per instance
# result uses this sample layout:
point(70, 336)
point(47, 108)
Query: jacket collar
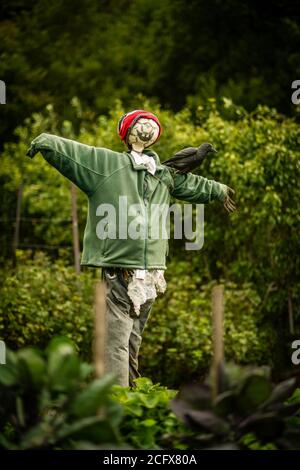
point(152, 154)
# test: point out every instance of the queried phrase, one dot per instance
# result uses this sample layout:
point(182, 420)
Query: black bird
point(189, 158)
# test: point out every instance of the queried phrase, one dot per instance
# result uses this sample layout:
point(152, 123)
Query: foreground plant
point(248, 412)
point(147, 414)
point(50, 401)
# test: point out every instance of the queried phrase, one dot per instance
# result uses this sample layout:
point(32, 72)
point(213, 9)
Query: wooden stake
point(100, 329)
point(218, 349)
point(76, 247)
point(290, 310)
point(16, 237)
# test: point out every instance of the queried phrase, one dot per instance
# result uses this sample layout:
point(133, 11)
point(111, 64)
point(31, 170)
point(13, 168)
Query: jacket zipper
point(146, 219)
point(146, 239)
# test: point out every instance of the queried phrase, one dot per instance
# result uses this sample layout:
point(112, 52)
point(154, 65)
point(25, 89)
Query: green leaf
point(89, 401)
point(35, 367)
point(148, 423)
point(69, 429)
point(63, 364)
point(9, 373)
point(225, 403)
point(208, 421)
point(6, 444)
point(281, 392)
point(37, 436)
point(254, 390)
point(267, 426)
point(150, 400)
point(94, 429)
point(8, 376)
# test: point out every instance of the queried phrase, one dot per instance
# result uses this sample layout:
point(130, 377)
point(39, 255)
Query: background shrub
point(177, 345)
point(251, 251)
point(42, 299)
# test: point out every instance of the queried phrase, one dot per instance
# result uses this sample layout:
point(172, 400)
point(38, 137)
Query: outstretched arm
point(194, 188)
point(82, 164)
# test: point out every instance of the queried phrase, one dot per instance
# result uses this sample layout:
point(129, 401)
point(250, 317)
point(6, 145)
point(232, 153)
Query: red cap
point(128, 121)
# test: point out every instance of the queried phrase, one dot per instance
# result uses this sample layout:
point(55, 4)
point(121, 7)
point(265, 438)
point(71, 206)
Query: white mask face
point(143, 134)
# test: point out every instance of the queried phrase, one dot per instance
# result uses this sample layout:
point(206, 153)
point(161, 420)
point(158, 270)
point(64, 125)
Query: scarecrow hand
point(229, 203)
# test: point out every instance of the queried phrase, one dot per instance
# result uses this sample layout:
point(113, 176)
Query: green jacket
point(104, 175)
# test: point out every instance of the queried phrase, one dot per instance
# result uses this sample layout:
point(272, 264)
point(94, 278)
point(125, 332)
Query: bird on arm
point(190, 158)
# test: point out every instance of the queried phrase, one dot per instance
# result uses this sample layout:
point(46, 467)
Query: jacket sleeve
point(81, 164)
point(193, 188)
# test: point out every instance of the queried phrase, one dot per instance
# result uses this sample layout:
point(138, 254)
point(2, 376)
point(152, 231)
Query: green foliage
point(247, 411)
point(251, 251)
point(257, 155)
point(42, 299)
point(295, 398)
point(177, 341)
point(249, 441)
point(147, 415)
point(46, 199)
point(50, 401)
point(178, 51)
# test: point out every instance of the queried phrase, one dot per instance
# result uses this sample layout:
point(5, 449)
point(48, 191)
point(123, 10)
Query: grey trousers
point(124, 328)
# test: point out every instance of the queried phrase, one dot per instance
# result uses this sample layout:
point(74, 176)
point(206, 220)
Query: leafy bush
point(43, 299)
point(248, 411)
point(258, 156)
point(147, 414)
point(49, 401)
point(177, 343)
point(252, 251)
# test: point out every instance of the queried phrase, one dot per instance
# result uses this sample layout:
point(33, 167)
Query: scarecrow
point(121, 188)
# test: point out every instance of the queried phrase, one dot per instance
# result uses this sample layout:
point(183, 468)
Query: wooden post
point(100, 329)
point(290, 310)
point(218, 349)
point(16, 237)
point(2, 352)
point(76, 247)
